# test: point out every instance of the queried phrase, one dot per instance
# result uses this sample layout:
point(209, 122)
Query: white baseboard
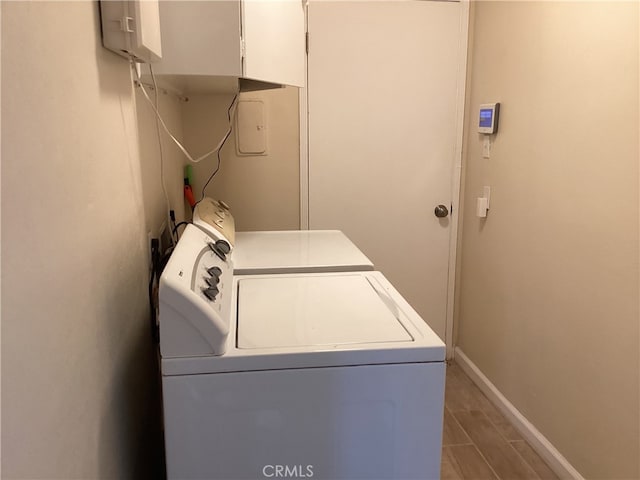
point(538, 442)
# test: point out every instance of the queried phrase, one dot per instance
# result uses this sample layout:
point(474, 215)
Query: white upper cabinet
point(208, 45)
point(274, 35)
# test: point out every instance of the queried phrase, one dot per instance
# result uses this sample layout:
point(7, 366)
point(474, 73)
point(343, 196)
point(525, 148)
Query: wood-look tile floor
point(479, 442)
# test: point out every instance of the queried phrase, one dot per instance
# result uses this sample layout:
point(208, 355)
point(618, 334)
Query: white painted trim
point(456, 174)
point(531, 434)
point(304, 161)
point(303, 101)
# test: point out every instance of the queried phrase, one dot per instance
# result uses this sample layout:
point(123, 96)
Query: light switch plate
point(486, 147)
point(486, 193)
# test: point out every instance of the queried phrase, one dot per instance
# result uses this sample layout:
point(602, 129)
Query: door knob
point(441, 211)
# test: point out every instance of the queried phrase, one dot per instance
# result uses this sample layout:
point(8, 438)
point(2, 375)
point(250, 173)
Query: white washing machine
point(291, 251)
point(324, 375)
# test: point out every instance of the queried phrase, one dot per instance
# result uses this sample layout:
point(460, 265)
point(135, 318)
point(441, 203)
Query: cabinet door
point(200, 38)
point(274, 36)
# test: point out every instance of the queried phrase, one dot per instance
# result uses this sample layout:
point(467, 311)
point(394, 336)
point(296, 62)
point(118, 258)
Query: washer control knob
point(223, 205)
point(214, 271)
point(223, 246)
point(210, 293)
point(212, 281)
point(218, 251)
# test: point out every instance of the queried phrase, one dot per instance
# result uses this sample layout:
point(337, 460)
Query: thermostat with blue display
point(488, 121)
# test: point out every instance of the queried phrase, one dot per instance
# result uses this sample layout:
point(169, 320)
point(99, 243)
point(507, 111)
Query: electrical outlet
point(166, 239)
point(149, 239)
point(155, 255)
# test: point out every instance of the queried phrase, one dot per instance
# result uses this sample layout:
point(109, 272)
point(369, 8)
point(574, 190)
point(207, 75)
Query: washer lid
point(308, 311)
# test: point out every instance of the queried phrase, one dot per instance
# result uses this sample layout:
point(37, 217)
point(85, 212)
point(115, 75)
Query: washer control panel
point(195, 296)
point(209, 272)
point(214, 217)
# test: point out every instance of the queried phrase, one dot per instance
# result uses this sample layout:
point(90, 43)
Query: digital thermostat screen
point(488, 121)
point(486, 117)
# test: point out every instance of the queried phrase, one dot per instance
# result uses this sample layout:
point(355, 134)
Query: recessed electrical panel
point(251, 128)
point(131, 28)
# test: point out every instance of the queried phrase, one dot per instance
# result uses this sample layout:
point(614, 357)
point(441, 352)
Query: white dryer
point(297, 251)
point(324, 375)
point(290, 251)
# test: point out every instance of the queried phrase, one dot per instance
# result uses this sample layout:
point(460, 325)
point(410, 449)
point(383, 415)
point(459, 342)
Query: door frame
point(303, 103)
point(456, 173)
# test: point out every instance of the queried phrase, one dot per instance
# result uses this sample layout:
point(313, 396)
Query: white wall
point(81, 188)
point(77, 362)
point(548, 285)
point(153, 160)
point(262, 191)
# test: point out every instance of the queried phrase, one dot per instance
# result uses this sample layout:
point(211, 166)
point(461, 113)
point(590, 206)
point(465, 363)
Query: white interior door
point(385, 92)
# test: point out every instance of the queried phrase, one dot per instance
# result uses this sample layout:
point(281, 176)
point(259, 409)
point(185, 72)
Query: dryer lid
point(303, 251)
point(316, 311)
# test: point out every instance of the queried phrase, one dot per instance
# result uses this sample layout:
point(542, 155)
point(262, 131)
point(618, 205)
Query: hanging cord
point(175, 229)
point(227, 135)
point(157, 116)
point(166, 129)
